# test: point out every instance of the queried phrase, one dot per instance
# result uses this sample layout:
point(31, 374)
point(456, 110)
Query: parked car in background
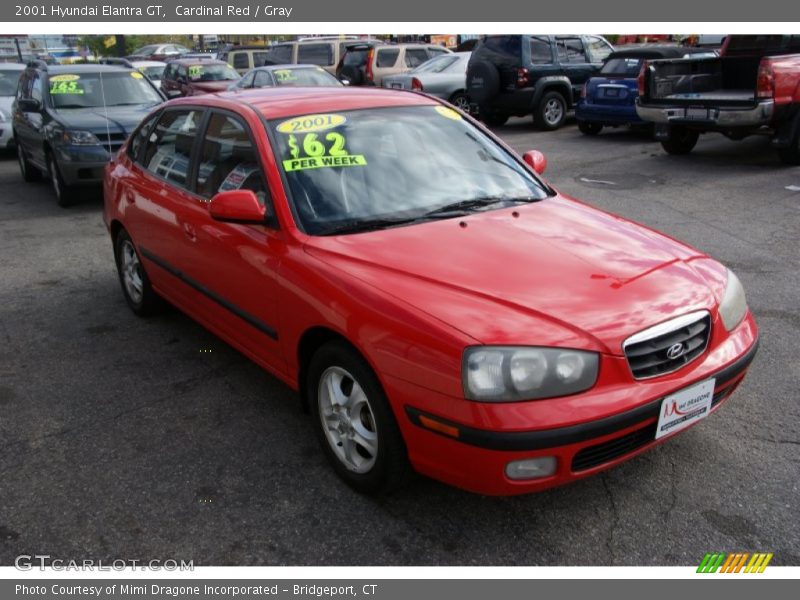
point(368, 62)
point(323, 51)
point(539, 75)
point(152, 69)
point(69, 120)
point(436, 304)
point(609, 98)
point(9, 78)
point(163, 52)
point(753, 87)
point(286, 75)
point(444, 76)
point(191, 76)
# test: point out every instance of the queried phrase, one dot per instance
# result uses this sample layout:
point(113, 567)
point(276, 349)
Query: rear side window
point(139, 139)
point(241, 61)
point(541, 53)
point(509, 46)
point(387, 57)
point(169, 147)
point(570, 50)
point(278, 55)
point(598, 48)
point(315, 54)
point(228, 160)
point(415, 57)
point(262, 79)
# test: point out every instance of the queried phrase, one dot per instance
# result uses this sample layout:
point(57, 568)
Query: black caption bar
point(355, 11)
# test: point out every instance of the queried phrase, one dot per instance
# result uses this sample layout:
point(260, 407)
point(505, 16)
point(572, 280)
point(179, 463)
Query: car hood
point(554, 272)
point(119, 119)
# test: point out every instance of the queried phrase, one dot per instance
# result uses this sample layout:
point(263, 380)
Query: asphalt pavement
point(124, 438)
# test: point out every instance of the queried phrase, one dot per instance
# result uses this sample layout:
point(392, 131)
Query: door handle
point(190, 232)
point(130, 197)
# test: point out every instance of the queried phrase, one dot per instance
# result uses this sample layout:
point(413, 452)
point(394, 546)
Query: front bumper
point(475, 459)
point(6, 136)
point(82, 165)
point(717, 118)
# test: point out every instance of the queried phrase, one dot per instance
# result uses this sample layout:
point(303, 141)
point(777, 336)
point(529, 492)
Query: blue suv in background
point(609, 98)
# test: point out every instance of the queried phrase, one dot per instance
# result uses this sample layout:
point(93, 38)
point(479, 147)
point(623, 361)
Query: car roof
point(287, 66)
point(197, 61)
point(56, 69)
point(655, 52)
point(148, 63)
point(282, 102)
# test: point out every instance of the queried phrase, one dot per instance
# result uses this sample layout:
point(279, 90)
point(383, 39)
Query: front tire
point(680, 140)
point(136, 287)
point(551, 112)
point(354, 422)
point(461, 101)
point(65, 195)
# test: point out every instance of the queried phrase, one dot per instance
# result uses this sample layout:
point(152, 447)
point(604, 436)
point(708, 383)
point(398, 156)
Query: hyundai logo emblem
point(675, 351)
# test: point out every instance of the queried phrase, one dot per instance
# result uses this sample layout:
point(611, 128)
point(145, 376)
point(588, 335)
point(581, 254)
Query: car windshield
point(90, 90)
point(304, 77)
point(622, 67)
point(146, 51)
point(153, 73)
point(437, 64)
point(8, 82)
point(206, 72)
point(367, 169)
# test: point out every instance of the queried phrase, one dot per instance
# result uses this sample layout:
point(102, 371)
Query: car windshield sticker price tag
point(285, 75)
point(66, 84)
point(448, 112)
point(196, 71)
point(313, 153)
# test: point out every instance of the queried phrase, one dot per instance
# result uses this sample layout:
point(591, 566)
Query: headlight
point(734, 304)
point(505, 374)
point(80, 138)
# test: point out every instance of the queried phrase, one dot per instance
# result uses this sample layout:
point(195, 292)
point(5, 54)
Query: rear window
point(415, 57)
point(387, 57)
point(355, 57)
point(507, 45)
point(315, 54)
point(206, 72)
point(622, 67)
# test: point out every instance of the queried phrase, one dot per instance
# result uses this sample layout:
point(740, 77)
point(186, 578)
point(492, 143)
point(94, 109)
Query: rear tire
point(493, 119)
point(551, 112)
point(354, 422)
point(588, 128)
point(28, 171)
point(461, 101)
point(680, 141)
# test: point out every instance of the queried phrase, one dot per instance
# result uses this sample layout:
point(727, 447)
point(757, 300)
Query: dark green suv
point(539, 75)
point(68, 121)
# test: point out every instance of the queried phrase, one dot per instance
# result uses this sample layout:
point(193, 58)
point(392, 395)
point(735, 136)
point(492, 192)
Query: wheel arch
point(309, 342)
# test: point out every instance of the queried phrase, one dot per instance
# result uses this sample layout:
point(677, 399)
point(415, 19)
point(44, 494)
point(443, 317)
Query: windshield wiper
point(465, 206)
point(366, 225)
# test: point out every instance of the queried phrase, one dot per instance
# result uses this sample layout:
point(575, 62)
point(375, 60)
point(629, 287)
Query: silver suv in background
point(368, 62)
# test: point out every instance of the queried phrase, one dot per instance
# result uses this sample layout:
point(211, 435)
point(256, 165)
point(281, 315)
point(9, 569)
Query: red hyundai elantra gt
point(437, 305)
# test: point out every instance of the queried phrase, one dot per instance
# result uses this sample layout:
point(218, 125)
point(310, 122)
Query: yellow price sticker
point(59, 78)
point(312, 123)
point(448, 112)
point(195, 71)
point(137, 75)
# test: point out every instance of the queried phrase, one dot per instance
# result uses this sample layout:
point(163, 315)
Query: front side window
point(415, 57)
point(139, 138)
point(262, 79)
point(598, 48)
point(355, 169)
point(97, 89)
point(169, 147)
point(228, 160)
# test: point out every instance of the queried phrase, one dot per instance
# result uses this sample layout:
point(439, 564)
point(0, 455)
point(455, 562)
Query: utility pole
point(19, 52)
point(120, 45)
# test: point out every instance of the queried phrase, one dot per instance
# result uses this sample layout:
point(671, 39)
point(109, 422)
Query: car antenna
point(105, 110)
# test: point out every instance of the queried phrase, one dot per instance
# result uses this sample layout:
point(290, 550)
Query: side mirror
point(29, 105)
point(535, 160)
point(238, 206)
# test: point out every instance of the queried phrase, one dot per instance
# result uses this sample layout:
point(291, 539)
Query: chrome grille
point(112, 142)
point(668, 346)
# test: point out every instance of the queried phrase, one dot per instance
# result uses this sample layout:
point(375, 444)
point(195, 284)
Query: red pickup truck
point(753, 87)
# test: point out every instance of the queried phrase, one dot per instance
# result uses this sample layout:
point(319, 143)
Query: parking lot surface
point(123, 438)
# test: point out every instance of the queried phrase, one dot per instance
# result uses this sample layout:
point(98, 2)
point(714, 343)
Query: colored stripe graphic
point(734, 562)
